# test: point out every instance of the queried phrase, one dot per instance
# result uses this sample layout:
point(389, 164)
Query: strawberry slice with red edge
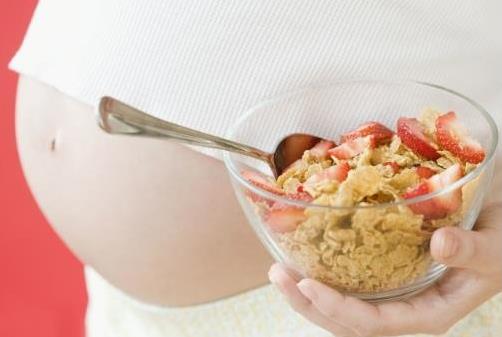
point(320, 150)
point(261, 181)
point(300, 196)
point(395, 166)
point(353, 147)
point(338, 172)
point(451, 201)
point(412, 135)
point(425, 172)
point(453, 136)
point(442, 205)
point(428, 207)
point(283, 219)
point(381, 133)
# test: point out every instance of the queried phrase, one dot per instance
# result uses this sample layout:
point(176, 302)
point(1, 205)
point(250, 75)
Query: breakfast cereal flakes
point(368, 242)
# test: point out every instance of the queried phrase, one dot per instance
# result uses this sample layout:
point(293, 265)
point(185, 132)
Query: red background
point(42, 292)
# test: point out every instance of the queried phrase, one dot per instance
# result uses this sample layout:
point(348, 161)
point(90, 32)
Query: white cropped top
point(202, 63)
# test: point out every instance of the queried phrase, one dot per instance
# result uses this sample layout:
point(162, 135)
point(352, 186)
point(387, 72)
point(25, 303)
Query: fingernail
point(307, 290)
point(273, 277)
point(448, 245)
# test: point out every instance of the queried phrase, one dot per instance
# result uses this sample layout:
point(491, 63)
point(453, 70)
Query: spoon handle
point(116, 117)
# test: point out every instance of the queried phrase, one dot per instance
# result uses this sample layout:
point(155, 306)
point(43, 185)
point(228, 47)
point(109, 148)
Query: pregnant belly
point(155, 218)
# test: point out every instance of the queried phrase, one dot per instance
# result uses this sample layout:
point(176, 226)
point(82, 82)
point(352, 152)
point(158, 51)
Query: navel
point(54, 142)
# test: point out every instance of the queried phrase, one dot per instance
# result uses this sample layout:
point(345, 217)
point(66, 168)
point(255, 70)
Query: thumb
point(456, 247)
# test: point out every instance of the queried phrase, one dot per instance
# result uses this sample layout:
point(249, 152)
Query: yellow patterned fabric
point(261, 312)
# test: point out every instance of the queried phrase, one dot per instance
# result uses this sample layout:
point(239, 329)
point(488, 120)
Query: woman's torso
point(157, 219)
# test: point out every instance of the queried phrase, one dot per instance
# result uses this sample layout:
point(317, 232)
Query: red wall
point(41, 286)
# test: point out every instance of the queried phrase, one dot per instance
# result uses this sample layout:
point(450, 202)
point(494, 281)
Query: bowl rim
point(235, 173)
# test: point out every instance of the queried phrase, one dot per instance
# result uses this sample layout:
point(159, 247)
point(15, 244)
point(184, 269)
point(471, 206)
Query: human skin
point(136, 210)
point(475, 276)
point(155, 218)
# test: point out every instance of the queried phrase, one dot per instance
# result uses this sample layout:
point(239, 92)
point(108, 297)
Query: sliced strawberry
point(381, 133)
point(255, 198)
point(395, 166)
point(452, 136)
point(451, 201)
point(341, 171)
point(428, 207)
point(284, 219)
point(300, 196)
point(320, 150)
point(425, 172)
point(413, 136)
point(338, 173)
point(440, 206)
point(261, 181)
point(353, 147)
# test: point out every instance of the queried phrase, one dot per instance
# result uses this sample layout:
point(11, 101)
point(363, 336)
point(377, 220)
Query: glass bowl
point(374, 252)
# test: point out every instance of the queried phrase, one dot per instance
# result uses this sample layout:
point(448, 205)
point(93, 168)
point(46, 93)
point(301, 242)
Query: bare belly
point(155, 218)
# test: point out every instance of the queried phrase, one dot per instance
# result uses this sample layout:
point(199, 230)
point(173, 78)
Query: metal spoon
point(116, 117)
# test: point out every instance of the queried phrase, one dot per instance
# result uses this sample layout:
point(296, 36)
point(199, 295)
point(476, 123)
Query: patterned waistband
point(261, 312)
point(255, 313)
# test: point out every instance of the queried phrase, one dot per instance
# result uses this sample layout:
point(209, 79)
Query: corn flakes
point(368, 248)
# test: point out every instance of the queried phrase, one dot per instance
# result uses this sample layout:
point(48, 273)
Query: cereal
point(370, 248)
point(428, 119)
point(403, 180)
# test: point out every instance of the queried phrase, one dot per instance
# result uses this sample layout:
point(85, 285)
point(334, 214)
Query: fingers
point(433, 311)
point(361, 317)
point(438, 308)
point(287, 284)
point(348, 316)
point(460, 248)
point(365, 319)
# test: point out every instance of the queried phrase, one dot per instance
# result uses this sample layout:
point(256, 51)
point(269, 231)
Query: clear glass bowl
point(328, 111)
